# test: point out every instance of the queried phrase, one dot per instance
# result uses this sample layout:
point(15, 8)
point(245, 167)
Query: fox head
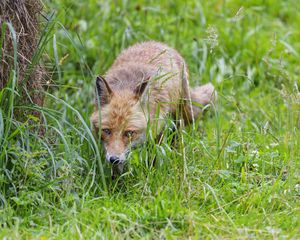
point(121, 120)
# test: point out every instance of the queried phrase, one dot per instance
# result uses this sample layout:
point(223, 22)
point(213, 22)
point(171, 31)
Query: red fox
point(145, 78)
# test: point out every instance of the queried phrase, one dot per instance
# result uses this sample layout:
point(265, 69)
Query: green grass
point(237, 177)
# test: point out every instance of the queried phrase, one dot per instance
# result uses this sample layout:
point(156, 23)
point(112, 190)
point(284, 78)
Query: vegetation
point(236, 177)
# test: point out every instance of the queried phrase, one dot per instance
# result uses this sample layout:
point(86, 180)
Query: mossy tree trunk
point(23, 17)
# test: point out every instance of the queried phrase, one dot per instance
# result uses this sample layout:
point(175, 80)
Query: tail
point(201, 98)
point(196, 100)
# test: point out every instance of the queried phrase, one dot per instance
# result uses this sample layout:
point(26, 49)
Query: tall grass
point(235, 174)
point(38, 168)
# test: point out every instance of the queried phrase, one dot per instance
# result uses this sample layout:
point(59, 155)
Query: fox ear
point(103, 91)
point(140, 89)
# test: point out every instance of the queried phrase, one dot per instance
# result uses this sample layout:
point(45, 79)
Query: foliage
point(236, 177)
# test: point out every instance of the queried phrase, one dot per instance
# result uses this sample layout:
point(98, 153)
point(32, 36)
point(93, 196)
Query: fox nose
point(114, 159)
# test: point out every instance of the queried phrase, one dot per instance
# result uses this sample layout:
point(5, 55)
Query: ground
point(236, 176)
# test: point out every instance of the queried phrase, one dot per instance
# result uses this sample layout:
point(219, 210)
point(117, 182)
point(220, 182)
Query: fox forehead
point(123, 112)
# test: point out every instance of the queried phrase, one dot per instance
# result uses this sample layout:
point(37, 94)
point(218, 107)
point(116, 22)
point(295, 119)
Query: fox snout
point(114, 158)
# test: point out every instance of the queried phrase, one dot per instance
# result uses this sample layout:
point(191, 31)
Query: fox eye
point(106, 131)
point(129, 133)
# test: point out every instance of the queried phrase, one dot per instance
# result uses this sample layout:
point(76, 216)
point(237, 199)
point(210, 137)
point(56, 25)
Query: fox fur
point(146, 83)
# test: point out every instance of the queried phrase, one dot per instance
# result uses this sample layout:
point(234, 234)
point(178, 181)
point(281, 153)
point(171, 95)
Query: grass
point(237, 177)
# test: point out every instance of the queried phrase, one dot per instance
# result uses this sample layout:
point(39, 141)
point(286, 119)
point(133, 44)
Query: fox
point(144, 78)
